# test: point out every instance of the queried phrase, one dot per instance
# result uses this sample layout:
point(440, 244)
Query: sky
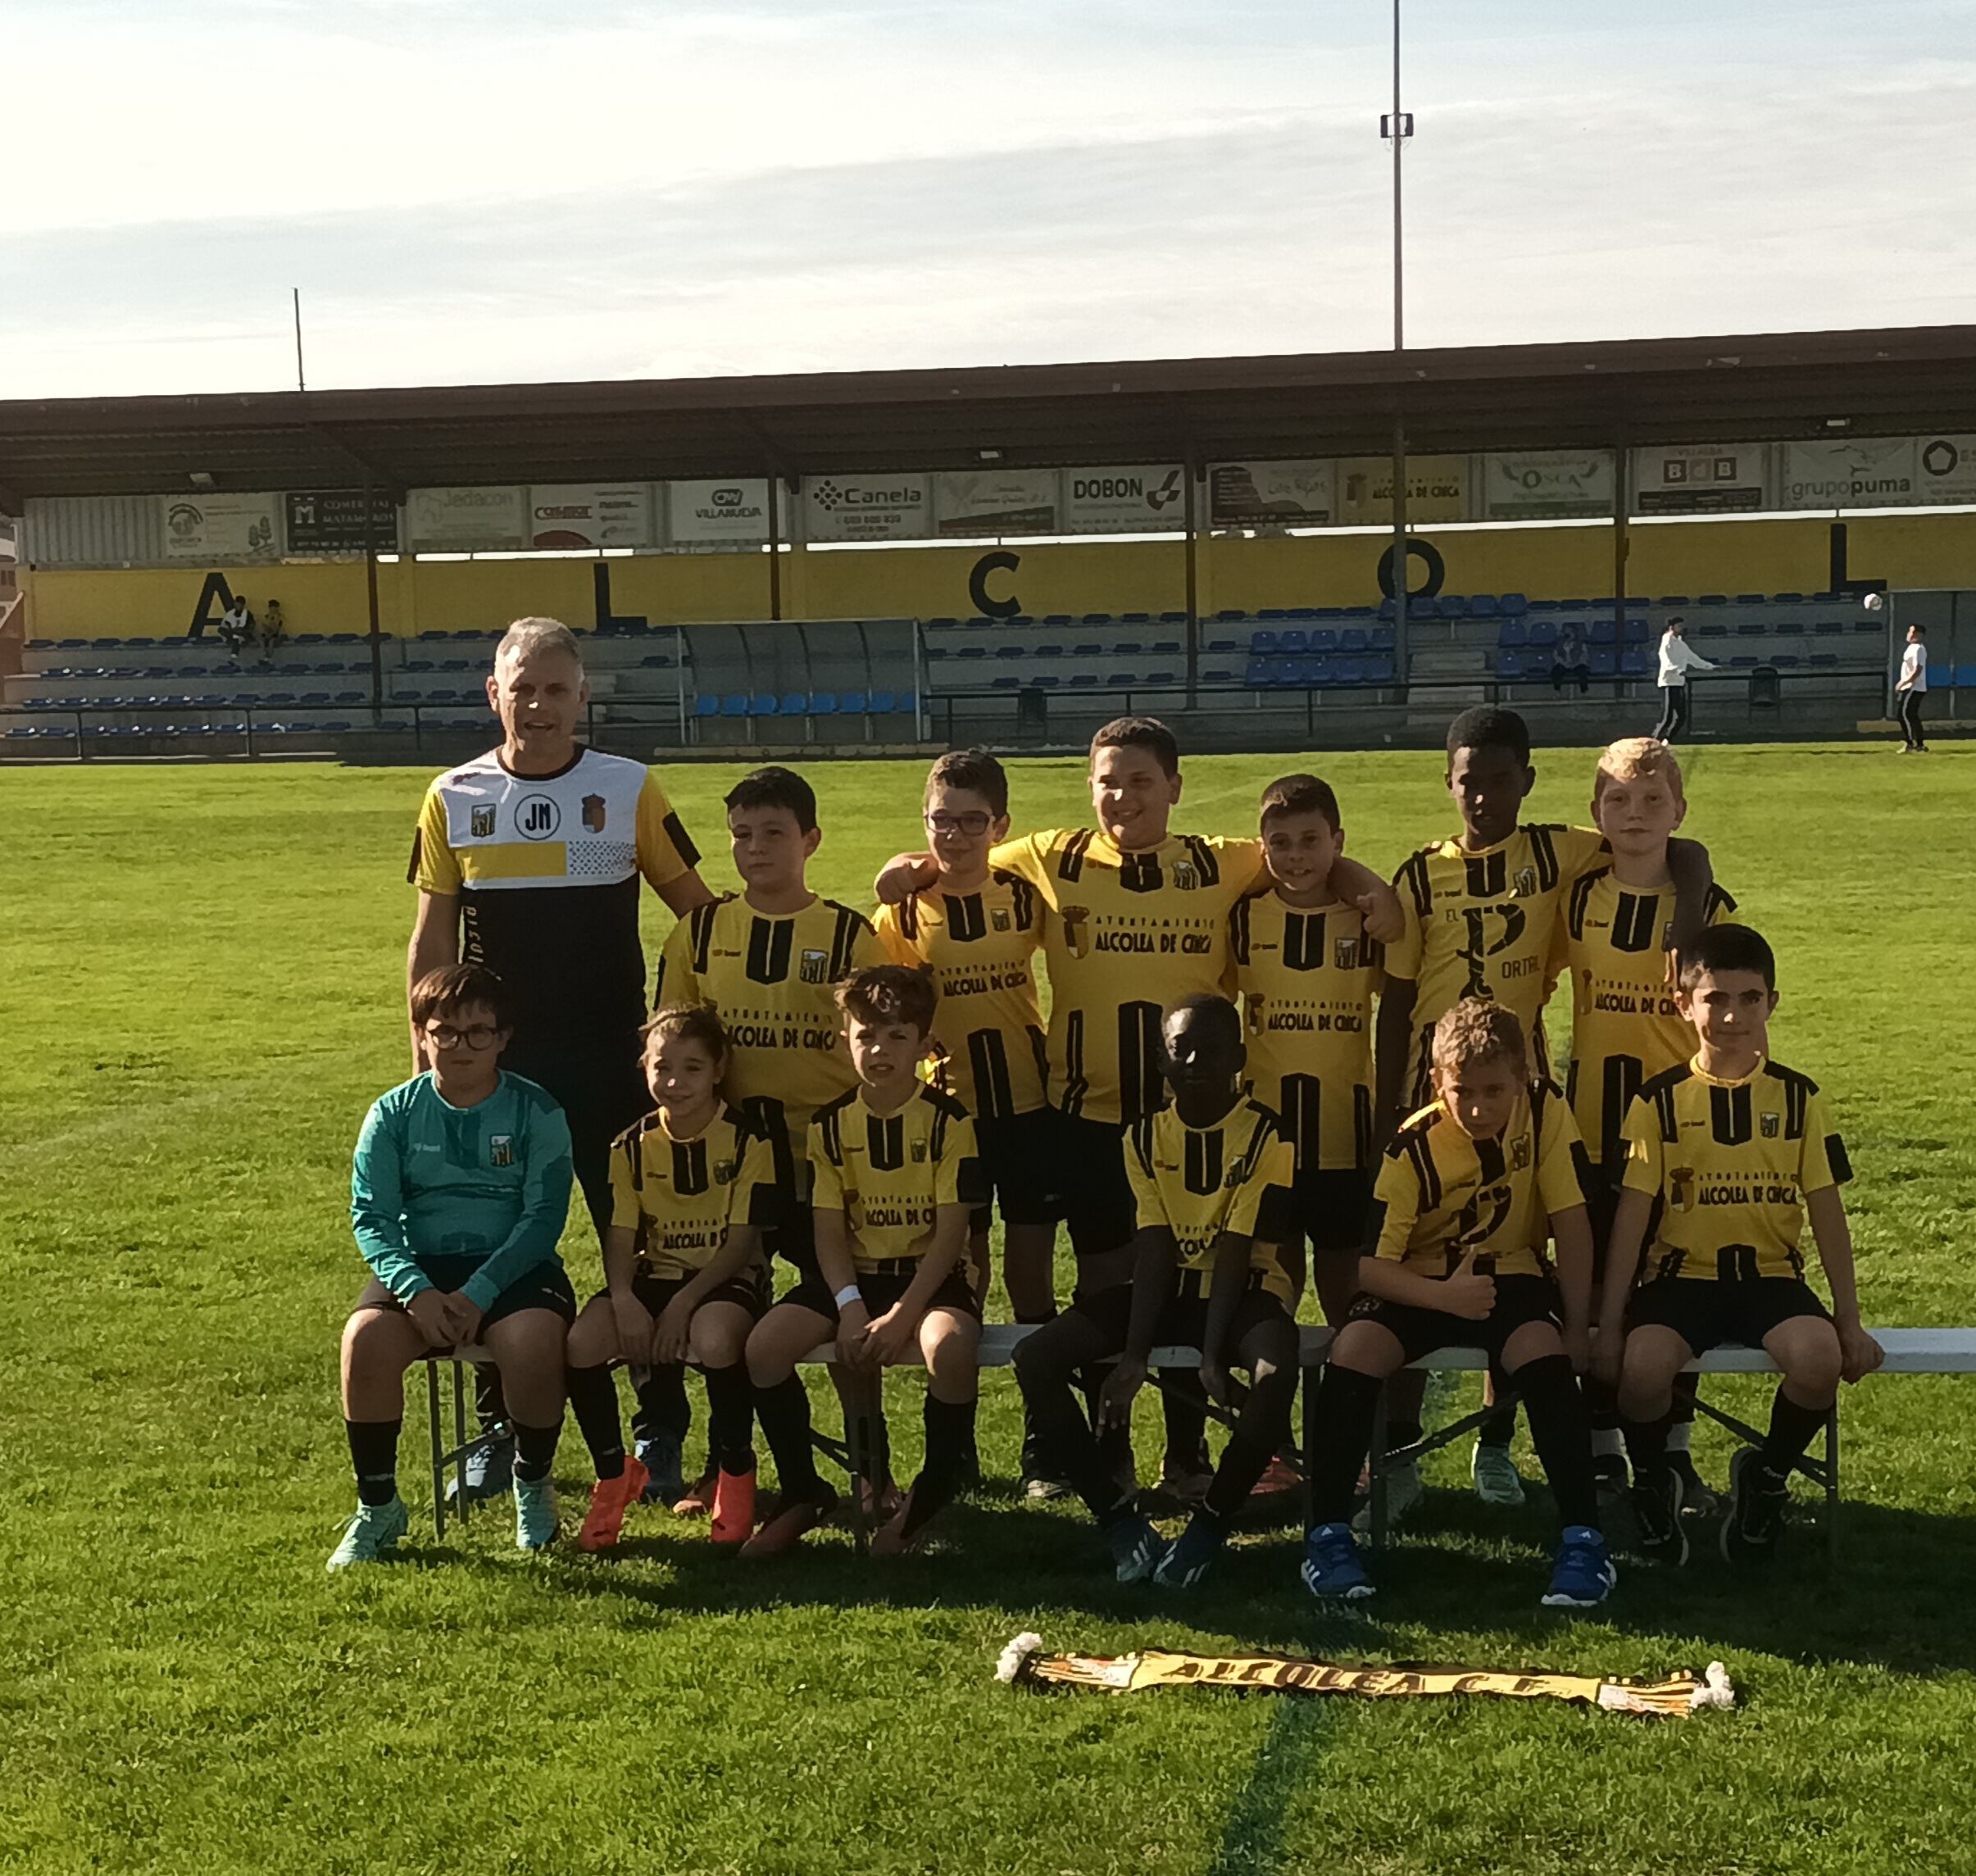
point(470, 191)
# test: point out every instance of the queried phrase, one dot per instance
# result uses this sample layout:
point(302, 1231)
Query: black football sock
point(730, 1418)
point(663, 1407)
point(535, 1451)
point(1499, 1429)
point(783, 1411)
point(373, 1457)
point(593, 1400)
point(868, 1438)
point(1341, 1435)
point(1562, 1436)
point(1646, 1445)
point(950, 1431)
point(1400, 1434)
point(489, 1403)
point(1184, 1407)
point(1244, 1459)
point(1032, 1446)
point(1793, 1429)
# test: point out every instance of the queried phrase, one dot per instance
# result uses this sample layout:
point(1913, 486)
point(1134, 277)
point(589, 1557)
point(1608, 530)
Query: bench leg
point(1376, 1465)
point(861, 1407)
point(459, 1436)
point(1832, 1485)
point(435, 1426)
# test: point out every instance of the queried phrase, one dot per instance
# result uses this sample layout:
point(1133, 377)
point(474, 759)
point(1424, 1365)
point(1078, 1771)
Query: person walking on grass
point(1677, 660)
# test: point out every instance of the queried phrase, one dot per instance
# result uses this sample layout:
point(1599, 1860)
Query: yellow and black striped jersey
point(1307, 980)
point(1440, 1194)
point(889, 1174)
point(1626, 1027)
point(1205, 1182)
point(682, 1196)
point(981, 947)
point(1127, 934)
point(1731, 1164)
point(773, 980)
point(1480, 925)
point(546, 870)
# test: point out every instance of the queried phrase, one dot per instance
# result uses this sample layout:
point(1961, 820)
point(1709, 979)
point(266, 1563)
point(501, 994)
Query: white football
point(1874, 601)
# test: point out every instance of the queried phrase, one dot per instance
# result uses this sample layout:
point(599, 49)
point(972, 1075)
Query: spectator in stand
point(1911, 688)
point(1677, 661)
point(274, 629)
point(236, 628)
point(1569, 663)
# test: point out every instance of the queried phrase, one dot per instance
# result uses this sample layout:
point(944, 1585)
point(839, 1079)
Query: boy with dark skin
point(1210, 1174)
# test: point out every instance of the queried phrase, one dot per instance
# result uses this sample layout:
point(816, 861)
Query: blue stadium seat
point(978, 623)
point(309, 696)
point(1293, 640)
point(1711, 629)
point(934, 653)
point(884, 703)
point(1786, 599)
point(1483, 606)
point(1120, 679)
point(1512, 605)
point(1221, 647)
point(1135, 619)
point(1257, 674)
point(974, 651)
point(1388, 610)
point(1262, 643)
point(1712, 599)
point(851, 703)
point(1965, 677)
point(1231, 612)
point(1636, 632)
point(1011, 650)
point(1105, 618)
point(658, 661)
point(1829, 627)
point(1512, 635)
point(1602, 632)
point(1604, 662)
point(1049, 651)
point(1163, 648)
point(1453, 606)
point(943, 625)
point(793, 703)
point(763, 703)
point(1087, 651)
point(705, 704)
point(1354, 639)
point(1543, 633)
point(1751, 628)
point(1749, 662)
point(1752, 599)
point(1866, 625)
point(1509, 665)
point(1380, 669)
point(821, 703)
point(1083, 681)
point(1058, 619)
point(1324, 638)
point(733, 704)
point(1786, 661)
point(1049, 681)
point(1155, 678)
point(1674, 599)
point(1132, 648)
point(1634, 662)
point(1005, 683)
point(420, 664)
point(1172, 618)
point(1383, 638)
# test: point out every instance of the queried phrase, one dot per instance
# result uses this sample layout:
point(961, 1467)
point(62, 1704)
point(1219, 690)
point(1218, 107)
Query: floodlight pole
point(301, 383)
point(1397, 130)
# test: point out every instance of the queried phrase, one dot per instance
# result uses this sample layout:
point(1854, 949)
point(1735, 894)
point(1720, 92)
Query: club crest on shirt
point(999, 918)
point(1681, 1188)
point(815, 966)
point(1345, 953)
point(1077, 933)
point(726, 1171)
point(1526, 882)
point(482, 821)
point(919, 1152)
point(594, 813)
point(1232, 1179)
point(1520, 1153)
point(1771, 1124)
point(1186, 875)
point(1253, 1004)
point(501, 1150)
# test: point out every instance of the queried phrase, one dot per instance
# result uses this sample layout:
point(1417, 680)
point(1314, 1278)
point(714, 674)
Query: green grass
point(201, 990)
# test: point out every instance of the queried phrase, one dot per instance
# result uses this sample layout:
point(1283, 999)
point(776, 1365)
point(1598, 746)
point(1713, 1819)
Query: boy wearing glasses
point(458, 1195)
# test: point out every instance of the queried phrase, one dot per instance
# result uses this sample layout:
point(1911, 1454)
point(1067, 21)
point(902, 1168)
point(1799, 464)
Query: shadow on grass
point(1895, 1601)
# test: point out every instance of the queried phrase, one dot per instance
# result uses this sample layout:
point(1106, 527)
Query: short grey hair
point(527, 635)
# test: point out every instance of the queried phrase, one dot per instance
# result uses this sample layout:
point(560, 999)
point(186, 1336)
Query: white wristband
point(848, 1295)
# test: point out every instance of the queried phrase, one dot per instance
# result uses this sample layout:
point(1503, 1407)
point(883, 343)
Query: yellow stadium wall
point(1094, 576)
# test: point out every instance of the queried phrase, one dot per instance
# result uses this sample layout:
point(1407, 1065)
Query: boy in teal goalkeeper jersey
point(458, 1195)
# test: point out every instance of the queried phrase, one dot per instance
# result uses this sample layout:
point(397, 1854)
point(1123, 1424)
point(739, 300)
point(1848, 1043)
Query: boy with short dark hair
point(1478, 912)
point(769, 959)
point(458, 1194)
point(1308, 972)
point(1473, 1188)
point(1626, 1025)
point(897, 1181)
point(1211, 1176)
point(1728, 1157)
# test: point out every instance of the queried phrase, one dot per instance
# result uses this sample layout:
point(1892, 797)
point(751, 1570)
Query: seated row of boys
point(1127, 908)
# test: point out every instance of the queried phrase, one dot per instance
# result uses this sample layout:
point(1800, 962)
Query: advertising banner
point(733, 513)
point(589, 515)
point(333, 523)
point(1140, 498)
point(998, 501)
point(1866, 472)
point(867, 508)
point(1272, 494)
point(461, 521)
point(219, 527)
point(1945, 471)
point(1437, 490)
point(1702, 479)
point(1549, 484)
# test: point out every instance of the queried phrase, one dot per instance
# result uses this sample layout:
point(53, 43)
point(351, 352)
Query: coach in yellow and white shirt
point(528, 860)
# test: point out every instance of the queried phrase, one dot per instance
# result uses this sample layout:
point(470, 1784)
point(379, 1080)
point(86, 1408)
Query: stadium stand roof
point(1751, 389)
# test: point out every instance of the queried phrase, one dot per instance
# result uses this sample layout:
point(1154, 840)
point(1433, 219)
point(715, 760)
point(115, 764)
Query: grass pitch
point(202, 984)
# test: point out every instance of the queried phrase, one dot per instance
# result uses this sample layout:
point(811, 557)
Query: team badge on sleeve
point(501, 1150)
point(594, 813)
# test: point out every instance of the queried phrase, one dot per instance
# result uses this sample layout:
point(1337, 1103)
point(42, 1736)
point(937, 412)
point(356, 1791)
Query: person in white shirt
point(1677, 661)
point(1910, 686)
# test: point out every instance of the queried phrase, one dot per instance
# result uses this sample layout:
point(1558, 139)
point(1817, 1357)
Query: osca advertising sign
point(868, 507)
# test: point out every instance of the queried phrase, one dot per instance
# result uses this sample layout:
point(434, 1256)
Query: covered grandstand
point(1124, 548)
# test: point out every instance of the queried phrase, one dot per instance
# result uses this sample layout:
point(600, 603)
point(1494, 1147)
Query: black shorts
point(882, 1289)
point(1086, 1178)
point(1705, 1314)
point(600, 1084)
point(1518, 1300)
point(1331, 1208)
point(1018, 1155)
point(1182, 1321)
point(794, 1239)
point(546, 1287)
point(1603, 1186)
point(750, 1291)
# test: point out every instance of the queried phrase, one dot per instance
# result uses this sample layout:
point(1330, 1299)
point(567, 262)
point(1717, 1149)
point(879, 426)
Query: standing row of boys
point(1212, 1091)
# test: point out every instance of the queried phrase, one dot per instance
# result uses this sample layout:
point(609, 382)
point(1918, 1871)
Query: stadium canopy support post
point(377, 642)
point(1190, 517)
point(774, 543)
point(1621, 545)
